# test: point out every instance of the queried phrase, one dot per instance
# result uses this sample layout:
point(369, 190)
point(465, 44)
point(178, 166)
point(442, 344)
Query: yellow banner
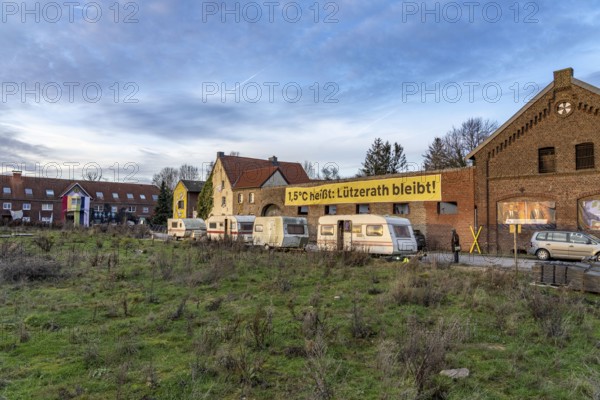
point(412, 188)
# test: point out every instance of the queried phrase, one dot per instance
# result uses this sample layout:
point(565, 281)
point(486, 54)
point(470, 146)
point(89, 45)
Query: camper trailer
point(193, 228)
point(232, 227)
point(280, 232)
point(374, 234)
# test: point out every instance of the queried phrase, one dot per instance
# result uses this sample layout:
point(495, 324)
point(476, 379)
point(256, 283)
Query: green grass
point(137, 319)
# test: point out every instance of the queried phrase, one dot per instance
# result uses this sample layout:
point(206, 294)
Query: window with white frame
point(6, 190)
point(100, 195)
point(115, 195)
point(49, 193)
point(146, 210)
point(113, 209)
point(7, 206)
point(26, 206)
point(131, 209)
point(28, 192)
point(251, 198)
point(75, 201)
point(26, 219)
point(47, 207)
point(143, 196)
point(130, 196)
point(98, 208)
point(240, 198)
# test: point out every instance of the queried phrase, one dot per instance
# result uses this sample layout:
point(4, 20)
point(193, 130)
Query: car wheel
point(543, 255)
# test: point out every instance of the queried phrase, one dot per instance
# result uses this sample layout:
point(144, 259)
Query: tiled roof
point(40, 186)
point(235, 167)
point(193, 186)
point(254, 178)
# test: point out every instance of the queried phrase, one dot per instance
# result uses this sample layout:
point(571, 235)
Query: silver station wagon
point(563, 244)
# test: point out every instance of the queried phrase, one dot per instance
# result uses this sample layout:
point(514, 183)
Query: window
point(6, 190)
point(327, 230)
point(401, 231)
point(240, 198)
point(98, 208)
point(26, 206)
point(26, 219)
point(155, 197)
point(7, 206)
point(295, 229)
point(579, 238)
point(47, 220)
point(584, 156)
point(180, 204)
point(113, 209)
point(401, 208)
point(251, 198)
point(303, 210)
point(143, 196)
point(330, 210)
point(28, 192)
point(246, 226)
point(541, 236)
point(115, 195)
point(145, 210)
point(99, 195)
point(557, 236)
point(174, 224)
point(47, 207)
point(75, 201)
point(374, 230)
point(130, 196)
point(546, 160)
point(49, 193)
point(362, 208)
point(131, 209)
point(258, 228)
point(223, 201)
point(357, 229)
point(447, 207)
point(212, 225)
point(222, 185)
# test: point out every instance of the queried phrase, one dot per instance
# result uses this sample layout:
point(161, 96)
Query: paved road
point(482, 260)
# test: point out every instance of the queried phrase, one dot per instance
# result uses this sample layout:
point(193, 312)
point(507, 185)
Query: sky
point(127, 88)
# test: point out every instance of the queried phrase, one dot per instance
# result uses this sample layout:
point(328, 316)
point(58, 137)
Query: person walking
point(455, 245)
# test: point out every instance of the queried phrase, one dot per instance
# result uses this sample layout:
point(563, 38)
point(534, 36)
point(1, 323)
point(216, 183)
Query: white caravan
point(280, 232)
point(234, 227)
point(193, 228)
point(374, 234)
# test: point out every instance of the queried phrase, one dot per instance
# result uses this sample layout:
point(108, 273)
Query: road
point(482, 260)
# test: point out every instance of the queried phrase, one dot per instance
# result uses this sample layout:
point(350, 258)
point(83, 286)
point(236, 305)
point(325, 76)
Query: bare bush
point(44, 242)
point(553, 314)
point(319, 367)
point(260, 327)
point(418, 288)
point(359, 329)
point(29, 268)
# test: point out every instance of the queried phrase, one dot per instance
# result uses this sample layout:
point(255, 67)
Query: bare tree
point(330, 172)
point(189, 172)
point(311, 169)
point(234, 153)
point(169, 175)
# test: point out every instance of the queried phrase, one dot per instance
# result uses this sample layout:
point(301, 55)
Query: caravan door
point(344, 235)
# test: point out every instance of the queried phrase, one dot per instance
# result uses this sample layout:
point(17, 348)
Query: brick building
point(538, 169)
point(58, 201)
point(451, 207)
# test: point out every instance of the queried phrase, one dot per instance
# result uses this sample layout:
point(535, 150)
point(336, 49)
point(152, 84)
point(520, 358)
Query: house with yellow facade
point(185, 198)
point(232, 173)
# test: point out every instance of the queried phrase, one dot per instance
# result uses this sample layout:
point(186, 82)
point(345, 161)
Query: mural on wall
point(588, 214)
point(527, 212)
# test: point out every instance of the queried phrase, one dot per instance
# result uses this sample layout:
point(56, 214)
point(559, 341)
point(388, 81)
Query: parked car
point(563, 244)
point(421, 242)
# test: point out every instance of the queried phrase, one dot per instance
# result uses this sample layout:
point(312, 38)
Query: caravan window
point(295, 229)
point(174, 224)
point(374, 230)
point(246, 226)
point(327, 230)
point(401, 231)
point(356, 228)
point(212, 225)
point(258, 228)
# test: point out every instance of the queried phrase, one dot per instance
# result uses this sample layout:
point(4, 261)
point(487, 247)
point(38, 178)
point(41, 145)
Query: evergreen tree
point(164, 206)
point(436, 157)
point(383, 158)
point(205, 198)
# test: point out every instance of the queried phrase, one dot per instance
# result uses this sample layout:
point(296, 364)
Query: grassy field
point(103, 315)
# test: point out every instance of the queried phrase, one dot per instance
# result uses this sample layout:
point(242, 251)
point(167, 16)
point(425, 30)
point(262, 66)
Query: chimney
point(562, 78)
point(273, 160)
point(220, 154)
point(17, 177)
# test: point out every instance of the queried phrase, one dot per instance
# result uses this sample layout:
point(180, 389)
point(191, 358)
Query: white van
point(234, 227)
point(193, 228)
point(280, 232)
point(374, 234)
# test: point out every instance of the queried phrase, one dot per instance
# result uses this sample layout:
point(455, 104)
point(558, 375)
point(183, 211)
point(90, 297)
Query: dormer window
point(49, 193)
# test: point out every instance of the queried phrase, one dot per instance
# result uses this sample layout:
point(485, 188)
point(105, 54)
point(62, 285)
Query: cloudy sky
point(131, 87)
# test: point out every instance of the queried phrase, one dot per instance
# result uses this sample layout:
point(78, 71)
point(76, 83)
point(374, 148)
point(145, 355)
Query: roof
point(40, 185)
point(193, 186)
point(236, 167)
point(523, 110)
point(252, 178)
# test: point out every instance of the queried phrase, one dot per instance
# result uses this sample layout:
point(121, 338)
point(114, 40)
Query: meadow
point(106, 313)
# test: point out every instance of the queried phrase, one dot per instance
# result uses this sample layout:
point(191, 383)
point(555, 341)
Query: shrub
point(29, 269)
point(44, 242)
